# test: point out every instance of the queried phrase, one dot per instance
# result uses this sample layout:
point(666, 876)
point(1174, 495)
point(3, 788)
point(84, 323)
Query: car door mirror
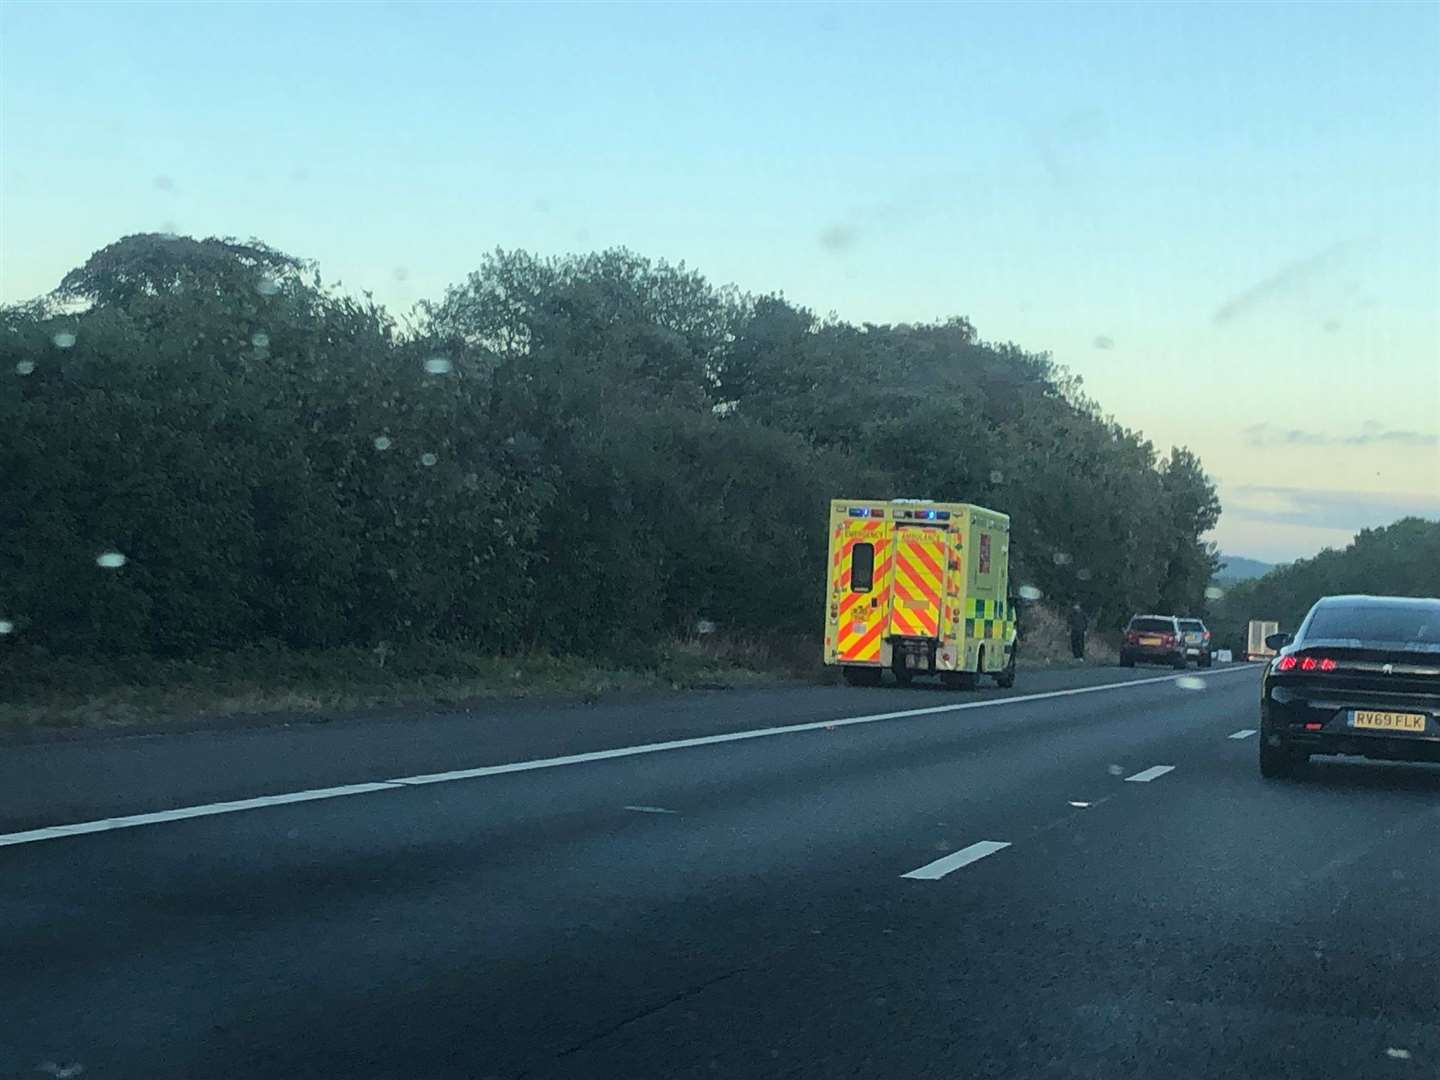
point(1277, 641)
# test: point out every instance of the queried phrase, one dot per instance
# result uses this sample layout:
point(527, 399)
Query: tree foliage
point(1402, 559)
point(582, 454)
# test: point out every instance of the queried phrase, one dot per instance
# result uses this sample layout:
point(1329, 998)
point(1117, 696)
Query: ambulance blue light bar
point(866, 511)
point(931, 515)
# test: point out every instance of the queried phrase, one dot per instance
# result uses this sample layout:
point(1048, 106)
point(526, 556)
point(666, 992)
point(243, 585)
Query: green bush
point(581, 456)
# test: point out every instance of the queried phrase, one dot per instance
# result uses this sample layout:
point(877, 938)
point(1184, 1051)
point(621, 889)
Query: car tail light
point(1207, 635)
point(1131, 637)
point(1307, 663)
point(1311, 725)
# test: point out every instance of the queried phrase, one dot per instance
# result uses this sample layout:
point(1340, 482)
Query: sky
point(1224, 217)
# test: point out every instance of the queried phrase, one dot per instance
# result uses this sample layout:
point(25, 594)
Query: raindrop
point(24, 367)
point(400, 273)
point(1214, 592)
point(267, 286)
point(260, 339)
point(1114, 770)
point(438, 365)
point(1061, 559)
point(110, 560)
point(6, 626)
point(64, 339)
point(428, 459)
point(996, 476)
point(382, 442)
point(1190, 682)
point(1398, 1053)
point(1083, 574)
point(163, 183)
point(1030, 592)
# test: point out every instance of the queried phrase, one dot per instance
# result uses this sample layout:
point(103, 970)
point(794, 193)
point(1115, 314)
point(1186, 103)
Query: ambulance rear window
point(862, 567)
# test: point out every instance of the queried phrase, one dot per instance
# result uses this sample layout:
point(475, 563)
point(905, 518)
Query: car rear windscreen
point(1153, 626)
point(1395, 623)
point(1191, 624)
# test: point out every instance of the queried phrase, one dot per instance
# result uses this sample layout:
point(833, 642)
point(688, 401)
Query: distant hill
point(1402, 559)
point(1238, 568)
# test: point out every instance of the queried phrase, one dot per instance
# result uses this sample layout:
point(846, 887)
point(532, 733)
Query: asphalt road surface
point(1083, 877)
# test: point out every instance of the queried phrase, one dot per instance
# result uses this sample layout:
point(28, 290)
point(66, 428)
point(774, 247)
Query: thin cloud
point(1352, 510)
point(1290, 278)
point(1372, 434)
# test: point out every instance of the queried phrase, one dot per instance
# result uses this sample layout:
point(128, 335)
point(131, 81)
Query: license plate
point(1388, 721)
point(1149, 641)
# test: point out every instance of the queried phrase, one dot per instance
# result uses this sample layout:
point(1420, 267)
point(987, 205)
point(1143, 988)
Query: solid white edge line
point(934, 871)
point(1144, 776)
point(1243, 733)
point(131, 821)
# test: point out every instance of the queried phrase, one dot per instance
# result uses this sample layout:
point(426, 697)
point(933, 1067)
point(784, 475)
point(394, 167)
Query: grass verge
point(141, 691)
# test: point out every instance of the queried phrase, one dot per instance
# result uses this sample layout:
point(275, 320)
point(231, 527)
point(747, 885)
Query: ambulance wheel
point(903, 674)
point(862, 676)
point(958, 680)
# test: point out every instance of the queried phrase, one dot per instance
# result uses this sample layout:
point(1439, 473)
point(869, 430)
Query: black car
point(1361, 676)
point(1153, 639)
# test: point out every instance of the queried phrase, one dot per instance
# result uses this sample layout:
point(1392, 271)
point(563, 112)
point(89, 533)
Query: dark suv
point(1197, 641)
point(1153, 639)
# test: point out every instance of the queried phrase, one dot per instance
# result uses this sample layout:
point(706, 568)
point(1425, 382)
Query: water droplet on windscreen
point(1030, 592)
point(110, 560)
point(1061, 558)
point(996, 476)
point(6, 626)
point(428, 459)
point(1083, 574)
point(382, 442)
point(64, 339)
point(1214, 592)
point(1114, 770)
point(24, 367)
point(260, 339)
point(438, 365)
point(267, 286)
point(1190, 682)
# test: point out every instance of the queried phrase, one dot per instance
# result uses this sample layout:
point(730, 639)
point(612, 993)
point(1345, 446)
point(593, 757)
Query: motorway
point(1082, 877)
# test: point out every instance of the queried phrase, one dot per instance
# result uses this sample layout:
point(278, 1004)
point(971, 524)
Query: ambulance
point(919, 588)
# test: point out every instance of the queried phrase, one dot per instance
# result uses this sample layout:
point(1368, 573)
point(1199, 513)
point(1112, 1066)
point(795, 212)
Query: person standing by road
point(1079, 623)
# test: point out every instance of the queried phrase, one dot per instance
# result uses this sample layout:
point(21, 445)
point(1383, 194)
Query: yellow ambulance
point(919, 588)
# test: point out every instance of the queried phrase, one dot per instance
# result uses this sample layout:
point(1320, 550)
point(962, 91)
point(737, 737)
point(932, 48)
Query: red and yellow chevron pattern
point(919, 582)
point(862, 614)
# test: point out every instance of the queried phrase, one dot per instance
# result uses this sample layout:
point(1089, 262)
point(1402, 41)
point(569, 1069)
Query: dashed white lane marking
point(649, 810)
point(1078, 804)
point(132, 821)
point(1243, 733)
point(1144, 776)
point(934, 871)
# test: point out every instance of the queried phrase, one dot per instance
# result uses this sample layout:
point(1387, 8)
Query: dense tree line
point(1402, 559)
point(583, 454)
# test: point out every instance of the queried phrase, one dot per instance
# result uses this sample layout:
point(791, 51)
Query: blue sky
point(1225, 217)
